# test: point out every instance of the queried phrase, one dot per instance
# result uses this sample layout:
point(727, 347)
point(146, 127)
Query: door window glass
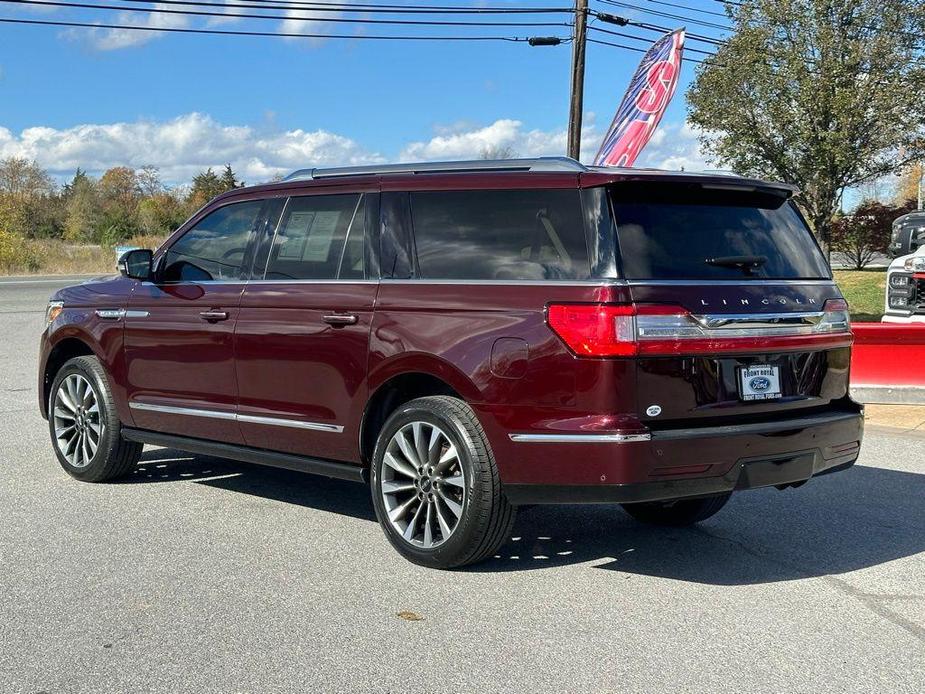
point(500, 235)
point(215, 248)
point(312, 239)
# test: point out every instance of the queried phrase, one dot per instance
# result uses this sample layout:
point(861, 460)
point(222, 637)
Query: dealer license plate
point(759, 382)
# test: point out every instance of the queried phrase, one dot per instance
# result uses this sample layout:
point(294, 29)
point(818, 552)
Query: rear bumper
point(678, 463)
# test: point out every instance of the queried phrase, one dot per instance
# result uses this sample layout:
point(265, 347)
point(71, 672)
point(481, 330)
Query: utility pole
point(578, 78)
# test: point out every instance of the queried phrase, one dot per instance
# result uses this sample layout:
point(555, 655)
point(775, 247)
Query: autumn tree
point(24, 188)
point(823, 94)
point(865, 233)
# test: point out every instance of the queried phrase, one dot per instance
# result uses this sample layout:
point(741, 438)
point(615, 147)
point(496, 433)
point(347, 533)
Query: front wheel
point(677, 512)
point(435, 485)
point(85, 429)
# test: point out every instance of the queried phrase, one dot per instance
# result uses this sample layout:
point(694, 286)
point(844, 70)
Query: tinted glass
point(500, 235)
point(214, 249)
point(310, 241)
point(394, 243)
point(688, 232)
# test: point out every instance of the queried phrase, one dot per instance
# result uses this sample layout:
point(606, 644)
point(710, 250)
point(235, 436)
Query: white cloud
point(114, 39)
point(674, 146)
point(465, 141)
point(182, 147)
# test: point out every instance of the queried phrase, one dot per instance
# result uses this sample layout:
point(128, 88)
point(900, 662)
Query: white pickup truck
point(905, 289)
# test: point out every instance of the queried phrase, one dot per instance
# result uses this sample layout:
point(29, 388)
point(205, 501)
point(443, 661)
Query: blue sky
point(181, 102)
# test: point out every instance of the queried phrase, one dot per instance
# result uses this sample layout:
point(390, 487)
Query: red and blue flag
point(644, 103)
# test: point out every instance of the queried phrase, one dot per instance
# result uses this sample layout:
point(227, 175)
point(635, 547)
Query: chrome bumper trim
point(579, 438)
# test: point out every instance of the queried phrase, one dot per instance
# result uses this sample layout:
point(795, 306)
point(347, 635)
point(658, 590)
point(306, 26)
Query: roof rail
point(548, 164)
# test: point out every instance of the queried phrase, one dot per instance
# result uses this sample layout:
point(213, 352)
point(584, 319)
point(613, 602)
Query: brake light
point(626, 330)
point(595, 330)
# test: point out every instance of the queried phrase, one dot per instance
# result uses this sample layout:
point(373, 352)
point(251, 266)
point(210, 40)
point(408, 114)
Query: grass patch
point(19, 256)
point(865, 291)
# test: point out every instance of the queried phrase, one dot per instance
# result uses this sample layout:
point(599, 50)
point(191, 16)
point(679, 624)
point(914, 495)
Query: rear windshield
point(670, 231)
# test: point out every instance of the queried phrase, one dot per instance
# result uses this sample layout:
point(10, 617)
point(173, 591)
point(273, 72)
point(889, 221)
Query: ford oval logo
point(759, 383)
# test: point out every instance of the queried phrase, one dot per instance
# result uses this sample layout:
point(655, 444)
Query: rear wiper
point(746, 263)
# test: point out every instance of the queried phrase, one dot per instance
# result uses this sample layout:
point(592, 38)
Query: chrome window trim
point(233, 416)
point(741, 282)
point(509, 283)
point(579, 438)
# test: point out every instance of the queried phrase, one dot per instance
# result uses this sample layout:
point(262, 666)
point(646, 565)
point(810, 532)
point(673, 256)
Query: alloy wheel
point(423, 484)
point(78, 425)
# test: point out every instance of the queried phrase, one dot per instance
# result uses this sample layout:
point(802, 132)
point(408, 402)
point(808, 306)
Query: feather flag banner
point(644, 103)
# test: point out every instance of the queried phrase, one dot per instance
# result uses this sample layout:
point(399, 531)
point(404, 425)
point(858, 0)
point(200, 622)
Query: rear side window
point(319, 237)
point(500, 235)
point(671, 231)
point(215, 248)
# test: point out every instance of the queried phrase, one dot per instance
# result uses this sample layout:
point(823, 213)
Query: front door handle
point(214, 315)
point(338, 319)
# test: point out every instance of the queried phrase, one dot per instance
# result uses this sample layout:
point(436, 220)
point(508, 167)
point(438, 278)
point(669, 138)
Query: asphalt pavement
point(204, 575)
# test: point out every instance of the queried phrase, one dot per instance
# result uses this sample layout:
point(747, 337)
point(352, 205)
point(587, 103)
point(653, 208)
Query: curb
point(888, 395)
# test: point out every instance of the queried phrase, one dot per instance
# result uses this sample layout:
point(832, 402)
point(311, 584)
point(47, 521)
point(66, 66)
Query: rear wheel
point(85, 429)
point(677, 512)
point(435, 485)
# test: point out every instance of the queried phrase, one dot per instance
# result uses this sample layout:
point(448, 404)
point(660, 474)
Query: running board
point(258, 456)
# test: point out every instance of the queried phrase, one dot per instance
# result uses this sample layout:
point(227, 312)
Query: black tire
point(485, 521)
point(677, 512)
point(114, 457)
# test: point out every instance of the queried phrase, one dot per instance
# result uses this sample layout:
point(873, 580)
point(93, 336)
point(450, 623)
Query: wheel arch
point(64, 350)
point(403, 381)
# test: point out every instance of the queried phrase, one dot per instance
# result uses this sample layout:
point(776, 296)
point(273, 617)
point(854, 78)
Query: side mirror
point(136, 264)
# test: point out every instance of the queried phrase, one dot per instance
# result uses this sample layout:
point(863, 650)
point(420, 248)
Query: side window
point(318, 237)
point(500, 235)
point(215, 248)
point(394, 243)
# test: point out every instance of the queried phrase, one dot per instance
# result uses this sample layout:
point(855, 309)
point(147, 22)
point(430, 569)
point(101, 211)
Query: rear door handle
point(214, 315)
point(338, 319)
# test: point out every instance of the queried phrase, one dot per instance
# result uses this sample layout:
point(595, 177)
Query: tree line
point(121, 204)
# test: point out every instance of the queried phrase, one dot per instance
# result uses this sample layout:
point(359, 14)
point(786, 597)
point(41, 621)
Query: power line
point(623, 21)
point(668, 15)
point(346, 20)
point(635, 49)
point(688, 8)
point(687, 49)
point(361, 8)
point(229, 32)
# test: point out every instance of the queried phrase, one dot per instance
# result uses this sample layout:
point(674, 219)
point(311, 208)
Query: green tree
point(82, 207)
point(822, 94)
point(206, 185)
point(230, 180)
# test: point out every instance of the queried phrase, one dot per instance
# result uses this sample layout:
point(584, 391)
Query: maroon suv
point(468, 337)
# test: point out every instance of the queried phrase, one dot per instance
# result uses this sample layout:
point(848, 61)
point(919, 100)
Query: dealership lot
point(200, 574)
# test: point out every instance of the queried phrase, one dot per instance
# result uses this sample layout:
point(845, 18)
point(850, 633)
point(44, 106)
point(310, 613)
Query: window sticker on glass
point(292, 246)
point(322, 230)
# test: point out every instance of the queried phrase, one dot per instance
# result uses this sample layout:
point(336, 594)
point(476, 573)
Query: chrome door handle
point(214, 315)
point(338, 319)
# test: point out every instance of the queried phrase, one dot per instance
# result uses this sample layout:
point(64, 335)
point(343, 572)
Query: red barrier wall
point(888, 354)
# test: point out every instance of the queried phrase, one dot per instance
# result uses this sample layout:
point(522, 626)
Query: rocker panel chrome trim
point(250, 419)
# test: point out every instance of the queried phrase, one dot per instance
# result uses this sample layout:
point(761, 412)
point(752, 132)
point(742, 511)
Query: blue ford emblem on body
point(759, 383)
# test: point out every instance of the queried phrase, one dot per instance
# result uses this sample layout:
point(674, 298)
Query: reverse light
point(626, 330)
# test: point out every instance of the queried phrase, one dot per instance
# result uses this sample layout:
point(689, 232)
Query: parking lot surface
point(204, 575)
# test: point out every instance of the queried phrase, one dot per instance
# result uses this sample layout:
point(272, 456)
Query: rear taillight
point(626, 330)
point(595, 330)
